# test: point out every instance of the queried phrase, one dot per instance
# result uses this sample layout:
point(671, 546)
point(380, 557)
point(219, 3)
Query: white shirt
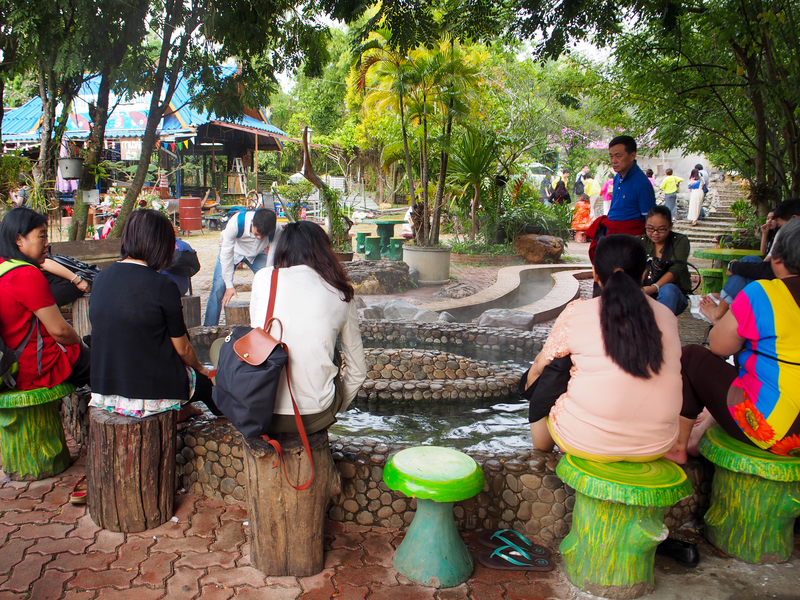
point(313, 316)
point(233, 250)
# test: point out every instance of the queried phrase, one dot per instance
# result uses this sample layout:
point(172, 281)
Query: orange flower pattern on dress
point(788, 446)
point(752, 422)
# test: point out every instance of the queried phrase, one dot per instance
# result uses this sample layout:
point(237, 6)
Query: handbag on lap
point(251, 361)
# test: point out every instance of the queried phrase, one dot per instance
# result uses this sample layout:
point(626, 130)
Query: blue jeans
point(736, 283)
point(214, 307)
point(671, 296)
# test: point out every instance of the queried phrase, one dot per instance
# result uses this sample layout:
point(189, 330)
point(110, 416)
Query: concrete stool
point(373, 247)
point(712, 280)
point(32, 441)
point(361, 242)
point(396, 248)
point(432, 552)
point(617, 522)
point(755, 499)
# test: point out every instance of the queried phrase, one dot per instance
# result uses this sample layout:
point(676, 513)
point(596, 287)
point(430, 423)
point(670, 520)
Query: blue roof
point(129, 117)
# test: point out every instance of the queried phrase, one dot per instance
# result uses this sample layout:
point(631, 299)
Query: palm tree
point(474, 158)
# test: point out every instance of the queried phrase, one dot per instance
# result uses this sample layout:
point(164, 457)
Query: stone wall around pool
point(521, 492)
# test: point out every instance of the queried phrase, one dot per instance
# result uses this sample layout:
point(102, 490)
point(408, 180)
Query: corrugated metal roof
point(128, 119)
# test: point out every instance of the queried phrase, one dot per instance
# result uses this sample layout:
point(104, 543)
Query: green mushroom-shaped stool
point(617, 522)
point(755, 499)
point(32, 441)
point(432, 552)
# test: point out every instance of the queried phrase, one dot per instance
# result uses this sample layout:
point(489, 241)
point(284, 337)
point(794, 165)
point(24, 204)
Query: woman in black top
point(142, 360)
point(560, 194)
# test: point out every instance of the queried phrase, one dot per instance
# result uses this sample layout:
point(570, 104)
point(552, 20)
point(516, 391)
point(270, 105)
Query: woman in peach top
point(623, 398)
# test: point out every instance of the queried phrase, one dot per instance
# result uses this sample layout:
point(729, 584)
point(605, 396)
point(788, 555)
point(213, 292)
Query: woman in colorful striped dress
point(757, 401)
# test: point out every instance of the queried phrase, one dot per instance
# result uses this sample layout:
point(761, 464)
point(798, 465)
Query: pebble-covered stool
point(432, 552)
point(617, 522)
point(755, 499)
point(32, 442)
point(396, 248)
point(373, 247)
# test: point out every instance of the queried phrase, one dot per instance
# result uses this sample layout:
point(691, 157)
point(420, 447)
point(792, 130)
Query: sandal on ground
point(509, 537)
point(78, 496)
point(508, 559)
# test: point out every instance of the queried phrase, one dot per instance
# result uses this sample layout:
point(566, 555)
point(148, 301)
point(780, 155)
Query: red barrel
point(190, 214)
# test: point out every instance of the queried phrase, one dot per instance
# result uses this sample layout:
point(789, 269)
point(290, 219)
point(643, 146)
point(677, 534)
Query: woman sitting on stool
point(624, 394)
point(314, 303)
point(25, 296)
point(757, 402)
point(668, 276)
point(142, 361)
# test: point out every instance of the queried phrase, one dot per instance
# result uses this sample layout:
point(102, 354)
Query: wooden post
point(191, 311)
point(130, 471)
point(80, 316)
point(286, 525)
point(237, 313)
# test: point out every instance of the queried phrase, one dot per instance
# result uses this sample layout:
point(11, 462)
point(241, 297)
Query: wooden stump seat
point(755, 499)
point(80, 316)
point(373, 247)
point(361, 242)
point(32, 441)
point(130, 471)
point(617, 522)
point(191, 311)
point(237, 313)
point(287, 525)
point(396, 248)
point(712, 280)
point(432, 552)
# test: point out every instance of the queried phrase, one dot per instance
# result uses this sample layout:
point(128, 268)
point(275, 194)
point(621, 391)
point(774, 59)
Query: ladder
point(240, 179)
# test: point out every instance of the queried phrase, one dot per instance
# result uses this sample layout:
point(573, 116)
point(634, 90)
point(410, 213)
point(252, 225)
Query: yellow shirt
point(591, 187)
point(670, 184)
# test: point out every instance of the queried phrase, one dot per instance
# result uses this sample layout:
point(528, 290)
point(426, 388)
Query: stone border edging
point(491, 260)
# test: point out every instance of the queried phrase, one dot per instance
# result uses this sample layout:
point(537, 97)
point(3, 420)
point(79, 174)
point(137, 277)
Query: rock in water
point(374, 311)
point(446, 317)
point(377, 276)
point(539, 248)
point(398, 310)
point(456, 290)
point(504, 317)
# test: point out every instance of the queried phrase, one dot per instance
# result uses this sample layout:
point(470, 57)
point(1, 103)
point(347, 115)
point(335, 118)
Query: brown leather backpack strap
point(273, 288)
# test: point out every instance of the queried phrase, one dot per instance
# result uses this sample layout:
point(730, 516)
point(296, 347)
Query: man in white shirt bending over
point(250, 237)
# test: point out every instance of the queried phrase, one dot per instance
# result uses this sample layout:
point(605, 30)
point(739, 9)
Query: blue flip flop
point(509, 537)
point(508, 558)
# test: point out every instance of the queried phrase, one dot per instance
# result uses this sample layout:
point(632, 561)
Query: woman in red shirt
point(25, 295)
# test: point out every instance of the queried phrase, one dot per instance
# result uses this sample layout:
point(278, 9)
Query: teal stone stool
point(396, 248)
point(712, 280)
point(617, 522)
point(361, 242)
point(755, 499)
point(432, 552)
point(32, 441)
point(373, 247)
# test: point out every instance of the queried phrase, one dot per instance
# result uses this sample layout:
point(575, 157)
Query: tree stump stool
point(396, 248)
point(191, 311)
point(712, 280)
point(80, 316)
point(617, 522)
point(755, 499)
point(373, 247)
point(130, 471)
point(287, 526)
point(361, 242)
point(432, 552)
point(237, 313)
point(32, 441)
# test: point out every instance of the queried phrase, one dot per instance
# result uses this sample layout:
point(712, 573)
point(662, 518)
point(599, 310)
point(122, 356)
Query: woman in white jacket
point(314, 302)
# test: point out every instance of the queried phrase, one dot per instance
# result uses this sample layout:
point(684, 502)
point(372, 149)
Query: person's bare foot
point(187, 412)
point(703, 423)
point(694, 222)
point(710, 310)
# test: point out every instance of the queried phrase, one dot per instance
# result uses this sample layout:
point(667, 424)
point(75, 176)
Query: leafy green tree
point(472, 162)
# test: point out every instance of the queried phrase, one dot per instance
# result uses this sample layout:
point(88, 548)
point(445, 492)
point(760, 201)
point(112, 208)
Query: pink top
point(608, 188)
point(605, 410)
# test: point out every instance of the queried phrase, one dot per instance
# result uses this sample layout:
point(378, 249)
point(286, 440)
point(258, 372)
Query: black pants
point(202, 392)
point(706, 381)
point(80, 370)
point(63, 291)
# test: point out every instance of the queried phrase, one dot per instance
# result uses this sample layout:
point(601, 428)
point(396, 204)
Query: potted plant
point(71, 166)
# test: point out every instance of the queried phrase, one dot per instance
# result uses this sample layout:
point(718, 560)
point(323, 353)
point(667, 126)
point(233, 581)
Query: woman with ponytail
point(624, 395)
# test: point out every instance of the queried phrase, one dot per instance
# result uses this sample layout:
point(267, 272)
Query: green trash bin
point(396, 248)
point(373, 246)
point(712, 280)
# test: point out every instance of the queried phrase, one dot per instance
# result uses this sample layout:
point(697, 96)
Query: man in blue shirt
point(633, 193)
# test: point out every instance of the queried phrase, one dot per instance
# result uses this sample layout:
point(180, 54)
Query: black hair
point(695, 174)
point(588, 176)
point(148, 236)
point(264, 221)
point(648, 172)
point(306, 243)
point(699, 167)
point(787, 209)
point(631, 336)
point(669, 171)
point(625, 140)
point(660, 209)
point(19, 221)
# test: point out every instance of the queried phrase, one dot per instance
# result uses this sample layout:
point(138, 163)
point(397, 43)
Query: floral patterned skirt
point(137, 407)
